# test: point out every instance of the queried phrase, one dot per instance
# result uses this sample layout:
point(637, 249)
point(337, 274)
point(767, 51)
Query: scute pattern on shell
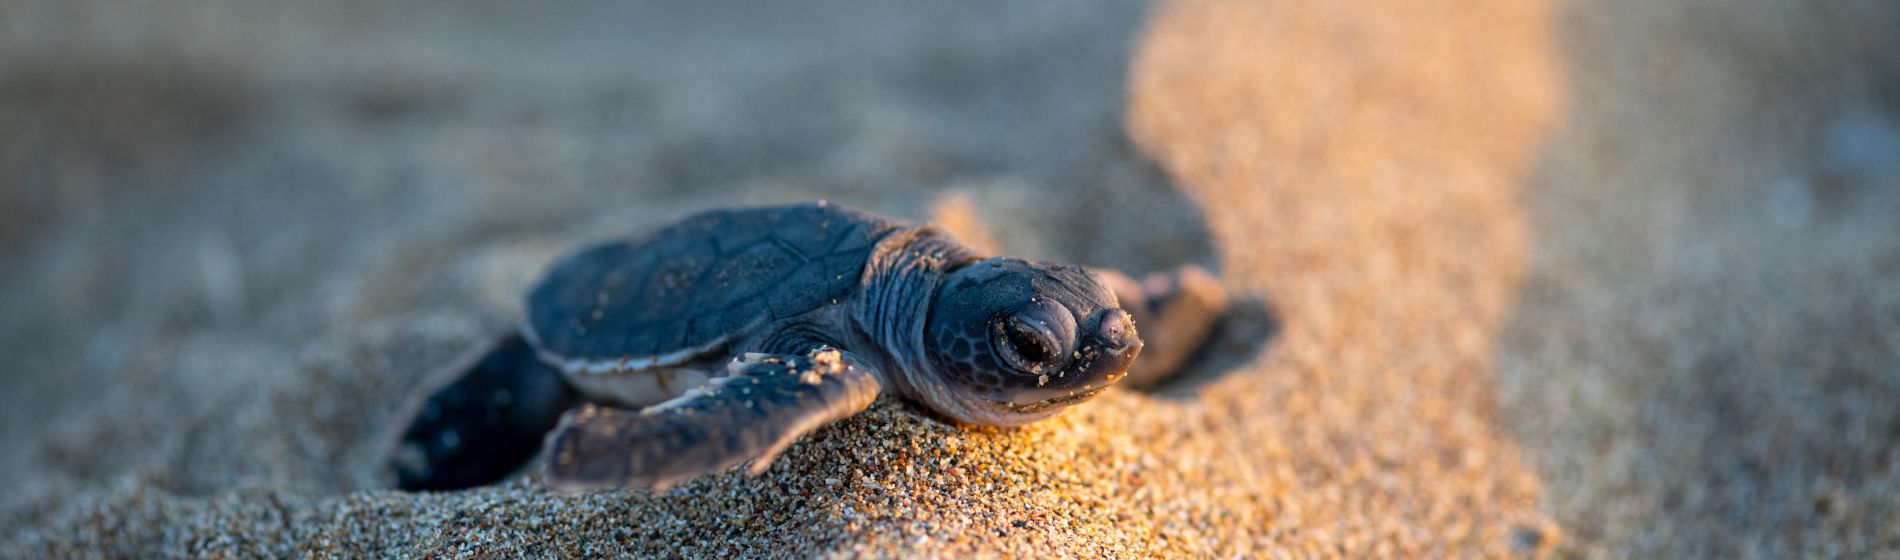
point(714, 274)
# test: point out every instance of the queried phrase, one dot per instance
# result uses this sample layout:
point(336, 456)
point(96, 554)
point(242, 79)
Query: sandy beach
point(1514, 279)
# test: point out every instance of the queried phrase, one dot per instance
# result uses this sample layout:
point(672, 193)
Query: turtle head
point(1012, 341)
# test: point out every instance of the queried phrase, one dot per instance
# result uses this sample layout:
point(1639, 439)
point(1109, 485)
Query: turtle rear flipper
point(767, 402)
point(485, 424)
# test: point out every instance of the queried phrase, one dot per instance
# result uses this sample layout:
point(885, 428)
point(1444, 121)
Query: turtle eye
point(1026, 346)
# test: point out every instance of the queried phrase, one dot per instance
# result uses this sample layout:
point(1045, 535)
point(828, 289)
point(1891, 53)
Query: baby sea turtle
point(725, 337)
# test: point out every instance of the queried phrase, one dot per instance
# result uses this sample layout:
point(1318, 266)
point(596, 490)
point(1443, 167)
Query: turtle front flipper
point(765, 403)
point(1176, 312)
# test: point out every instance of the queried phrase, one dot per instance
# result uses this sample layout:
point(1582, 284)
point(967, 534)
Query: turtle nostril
point(1116, 330)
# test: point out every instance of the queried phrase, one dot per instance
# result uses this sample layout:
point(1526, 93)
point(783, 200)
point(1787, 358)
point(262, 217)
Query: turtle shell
point(685, 290)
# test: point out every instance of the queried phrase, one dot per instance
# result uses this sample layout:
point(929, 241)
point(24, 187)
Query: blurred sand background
point(1609, 279)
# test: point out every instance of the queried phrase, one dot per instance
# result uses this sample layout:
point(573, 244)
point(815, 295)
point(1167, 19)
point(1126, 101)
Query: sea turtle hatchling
point(725, 337)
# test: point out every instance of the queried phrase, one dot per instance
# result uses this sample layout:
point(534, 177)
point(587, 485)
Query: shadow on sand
point(1701, 360)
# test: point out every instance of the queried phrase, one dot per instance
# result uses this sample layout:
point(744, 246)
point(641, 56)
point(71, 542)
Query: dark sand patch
point(1706, 356)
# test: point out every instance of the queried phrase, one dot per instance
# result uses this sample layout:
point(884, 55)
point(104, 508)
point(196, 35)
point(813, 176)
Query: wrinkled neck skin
point(893, 310)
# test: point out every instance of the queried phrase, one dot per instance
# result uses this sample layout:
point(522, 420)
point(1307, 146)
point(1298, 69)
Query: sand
point(1513, 279)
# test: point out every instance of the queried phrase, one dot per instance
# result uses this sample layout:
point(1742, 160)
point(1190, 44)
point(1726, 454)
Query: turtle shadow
point(1247, 330)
